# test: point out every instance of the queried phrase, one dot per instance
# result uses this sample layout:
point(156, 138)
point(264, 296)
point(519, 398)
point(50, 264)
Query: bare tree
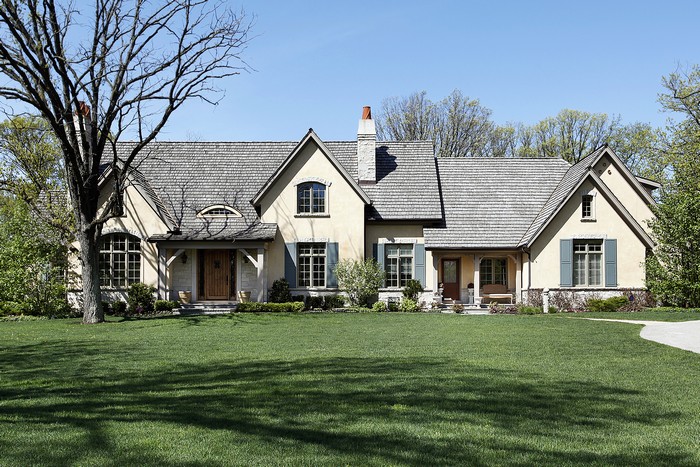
point(119, 70)
point(457, 125)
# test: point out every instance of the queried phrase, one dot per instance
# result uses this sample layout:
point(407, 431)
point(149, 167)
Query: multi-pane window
point(493, 271)
point(588, 259)
point(311, 265)
point(587, 207)
point(120, 261)
point(398, 264)
point(311, 198)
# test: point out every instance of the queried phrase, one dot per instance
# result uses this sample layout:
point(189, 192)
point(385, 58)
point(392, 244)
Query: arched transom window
point(219, 210)
point(120, 260)
point(311, 198)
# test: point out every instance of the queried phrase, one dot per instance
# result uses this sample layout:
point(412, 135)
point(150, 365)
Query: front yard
point(338, 389)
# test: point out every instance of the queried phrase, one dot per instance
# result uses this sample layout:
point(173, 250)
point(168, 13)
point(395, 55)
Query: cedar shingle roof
point(491, 202)
point(561, 192)
point(182, 178)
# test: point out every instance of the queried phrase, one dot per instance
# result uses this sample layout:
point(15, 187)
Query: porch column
point(477, 266)
point(162, 270)
point(262, 277)
point(518, 277)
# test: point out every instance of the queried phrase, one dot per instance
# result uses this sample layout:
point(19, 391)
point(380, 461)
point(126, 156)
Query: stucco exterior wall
point(545, 252)
point(141, 221)
point(633, 202)
point(345, 211)
point(398, 233)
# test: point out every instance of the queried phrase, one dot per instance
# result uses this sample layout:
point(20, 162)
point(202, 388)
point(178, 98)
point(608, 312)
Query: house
point(220, 219)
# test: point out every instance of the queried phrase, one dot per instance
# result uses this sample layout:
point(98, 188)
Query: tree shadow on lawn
point(412, 411)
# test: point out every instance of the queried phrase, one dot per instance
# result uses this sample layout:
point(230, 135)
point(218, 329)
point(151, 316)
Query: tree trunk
point(90, 276)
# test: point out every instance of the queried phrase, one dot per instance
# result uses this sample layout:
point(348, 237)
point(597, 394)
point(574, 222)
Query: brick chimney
point(83, 115)
point(366, 148)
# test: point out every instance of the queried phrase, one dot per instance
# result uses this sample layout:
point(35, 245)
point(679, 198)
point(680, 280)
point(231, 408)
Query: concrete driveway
point(683, 335)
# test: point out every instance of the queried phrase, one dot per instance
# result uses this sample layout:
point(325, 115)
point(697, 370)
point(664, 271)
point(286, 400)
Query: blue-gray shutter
point(566, 248)
point(374, 251)
point(290, 263)
point(331, 261)
point(419, 256)
point(611, 262)
point(380, 256)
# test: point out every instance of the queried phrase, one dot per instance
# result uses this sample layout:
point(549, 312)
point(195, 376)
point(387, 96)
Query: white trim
point(313, 240)
point(412, 240)
point(121, 230)
point(231, 212)
point(320, 180)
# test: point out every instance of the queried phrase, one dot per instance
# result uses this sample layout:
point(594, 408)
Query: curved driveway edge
point(682, 334)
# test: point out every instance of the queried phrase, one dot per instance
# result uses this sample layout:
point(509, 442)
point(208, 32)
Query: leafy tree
point(457, 125)
point(97, 75)
point(32, 262)
point(673, 272)
point(361, 280)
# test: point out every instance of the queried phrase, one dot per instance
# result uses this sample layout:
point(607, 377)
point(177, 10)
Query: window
point(120, 261)
point(587, 207)
point(312, 265)
point(219, 211)
point(311, 198)
point(398, 264)
point(493, 271)
point(588, 256)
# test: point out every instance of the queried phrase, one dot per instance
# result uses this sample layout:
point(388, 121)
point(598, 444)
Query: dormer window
point(219, 210)
point(588, 207)
point(311, 198)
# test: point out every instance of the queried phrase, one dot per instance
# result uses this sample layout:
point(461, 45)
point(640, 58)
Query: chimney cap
point(83, 109)
point(367, 113)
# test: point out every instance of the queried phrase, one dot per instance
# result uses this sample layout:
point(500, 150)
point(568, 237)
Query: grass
point(345, 389)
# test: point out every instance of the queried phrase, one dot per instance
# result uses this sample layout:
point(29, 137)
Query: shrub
point(256, 307)
point(608, 305)
point(412, 289)
point(314, 303)
point(165, 305)
point(392, 305)
point(12, 308)
point(408, 305)
point(118, 308)
point(496, 308)
point(379, 307)
point(140, 298)
point(279, 293)
point(566, 301)
point(105, 307)
point(297, 298)
point(331, 302)
point(458, 308)
point(360, 279)
point(529, 310)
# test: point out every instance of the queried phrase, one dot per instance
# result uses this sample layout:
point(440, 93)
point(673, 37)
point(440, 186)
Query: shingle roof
point(185, 177)
point(572, 178)
point(491, 202)
point(407, 185)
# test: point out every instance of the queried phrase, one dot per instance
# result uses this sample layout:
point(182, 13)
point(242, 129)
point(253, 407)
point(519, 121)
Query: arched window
point(311, 198)
point(120, 260)
point(219, 210)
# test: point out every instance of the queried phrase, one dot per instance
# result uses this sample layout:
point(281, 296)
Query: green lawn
point(345, 389)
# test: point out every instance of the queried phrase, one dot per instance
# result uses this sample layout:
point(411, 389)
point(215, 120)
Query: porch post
point(518, 277)
point(162, 270)
point(262, 277)
point(477, 266)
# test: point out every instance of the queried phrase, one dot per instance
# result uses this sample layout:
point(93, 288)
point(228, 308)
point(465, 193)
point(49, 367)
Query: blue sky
point(317, 63)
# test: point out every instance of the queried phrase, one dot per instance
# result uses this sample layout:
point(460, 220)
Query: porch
point(477, 278)
point(212, 273)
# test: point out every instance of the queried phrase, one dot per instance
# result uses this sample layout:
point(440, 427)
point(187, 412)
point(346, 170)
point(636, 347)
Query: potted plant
point(185, 296)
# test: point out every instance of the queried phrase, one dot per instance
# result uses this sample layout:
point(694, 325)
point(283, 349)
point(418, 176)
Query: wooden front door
point(450, 278)
point(217, 270)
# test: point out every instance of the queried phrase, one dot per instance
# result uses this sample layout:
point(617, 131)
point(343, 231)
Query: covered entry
point(217, 274)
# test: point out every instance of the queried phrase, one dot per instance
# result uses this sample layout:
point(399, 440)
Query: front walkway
point(683, 334)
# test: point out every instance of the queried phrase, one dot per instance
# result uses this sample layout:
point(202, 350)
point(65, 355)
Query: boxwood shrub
point(256, 307)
